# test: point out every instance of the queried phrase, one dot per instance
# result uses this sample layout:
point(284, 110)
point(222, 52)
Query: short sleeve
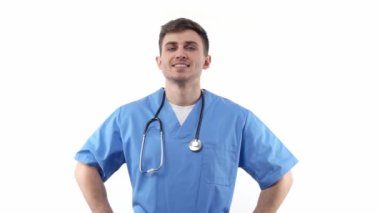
point(262, 154)
point(104, 148)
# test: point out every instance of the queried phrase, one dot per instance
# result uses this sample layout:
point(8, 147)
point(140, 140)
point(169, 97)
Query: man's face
point(182, 57)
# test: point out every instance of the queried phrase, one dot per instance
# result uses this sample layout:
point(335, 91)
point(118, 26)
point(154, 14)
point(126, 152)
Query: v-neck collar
point(172, 127)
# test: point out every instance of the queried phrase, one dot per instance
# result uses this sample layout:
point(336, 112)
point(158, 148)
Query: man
point(182, 144)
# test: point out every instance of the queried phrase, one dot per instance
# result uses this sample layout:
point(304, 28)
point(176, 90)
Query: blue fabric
point(204, 181)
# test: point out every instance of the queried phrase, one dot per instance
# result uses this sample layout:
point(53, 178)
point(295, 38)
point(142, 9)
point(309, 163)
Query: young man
point(182, 144)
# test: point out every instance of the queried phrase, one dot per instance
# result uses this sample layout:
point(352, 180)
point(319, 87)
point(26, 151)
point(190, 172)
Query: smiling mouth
point(181, 65)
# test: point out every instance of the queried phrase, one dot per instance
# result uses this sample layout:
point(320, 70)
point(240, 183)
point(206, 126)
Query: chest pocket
point(219, 166)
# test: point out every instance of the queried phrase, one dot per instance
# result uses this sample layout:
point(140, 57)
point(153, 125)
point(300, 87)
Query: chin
point(178, 80)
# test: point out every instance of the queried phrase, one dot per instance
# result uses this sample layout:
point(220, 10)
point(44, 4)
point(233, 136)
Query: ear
point(207, 62)
point(158, 61)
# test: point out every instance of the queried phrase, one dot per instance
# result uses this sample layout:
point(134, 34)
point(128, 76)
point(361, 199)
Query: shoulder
point(141, 103)
point(138, 107)
point(226, 103)
point(227, 109)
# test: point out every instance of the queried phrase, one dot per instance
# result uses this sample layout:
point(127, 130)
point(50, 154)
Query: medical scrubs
point(204, 181)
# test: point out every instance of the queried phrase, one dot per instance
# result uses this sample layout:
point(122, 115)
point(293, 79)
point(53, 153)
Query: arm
point(93, 188)
point(271, 198)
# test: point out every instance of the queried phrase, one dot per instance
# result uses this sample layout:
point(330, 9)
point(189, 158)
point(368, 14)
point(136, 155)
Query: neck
point(182, 95)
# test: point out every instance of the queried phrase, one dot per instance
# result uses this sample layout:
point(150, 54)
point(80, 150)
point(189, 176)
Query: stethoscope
point(194, 145)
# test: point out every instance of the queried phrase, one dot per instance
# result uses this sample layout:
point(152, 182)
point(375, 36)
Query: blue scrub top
point(204, 181)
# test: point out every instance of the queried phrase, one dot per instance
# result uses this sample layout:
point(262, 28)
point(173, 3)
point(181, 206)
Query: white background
point(308, 69)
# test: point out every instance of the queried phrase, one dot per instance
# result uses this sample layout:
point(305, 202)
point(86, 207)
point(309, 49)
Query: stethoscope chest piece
point(195, 145)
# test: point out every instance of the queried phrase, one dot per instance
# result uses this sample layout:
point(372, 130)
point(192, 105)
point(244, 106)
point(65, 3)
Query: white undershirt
point(182, 112)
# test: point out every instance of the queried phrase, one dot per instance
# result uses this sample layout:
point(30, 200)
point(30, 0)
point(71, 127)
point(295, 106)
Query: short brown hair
point(180, 25)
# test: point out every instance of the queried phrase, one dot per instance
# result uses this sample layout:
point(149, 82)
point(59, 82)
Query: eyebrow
point(186, 43)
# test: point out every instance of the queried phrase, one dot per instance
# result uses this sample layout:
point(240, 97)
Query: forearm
point(270, 199)
point(93, 188)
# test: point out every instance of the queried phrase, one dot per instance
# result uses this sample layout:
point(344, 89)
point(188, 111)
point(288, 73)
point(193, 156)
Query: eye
point(191, 47)
point(171, 48)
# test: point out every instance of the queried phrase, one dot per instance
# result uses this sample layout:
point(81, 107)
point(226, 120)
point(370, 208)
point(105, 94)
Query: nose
point(181, 54)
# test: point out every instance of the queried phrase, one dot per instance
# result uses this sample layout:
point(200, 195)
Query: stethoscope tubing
point(157, 119)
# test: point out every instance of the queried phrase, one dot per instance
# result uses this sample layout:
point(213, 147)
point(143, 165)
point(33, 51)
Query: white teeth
point(180, 65)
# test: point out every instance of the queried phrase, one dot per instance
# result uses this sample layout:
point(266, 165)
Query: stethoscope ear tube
point(152, 170)
point(155, 118)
